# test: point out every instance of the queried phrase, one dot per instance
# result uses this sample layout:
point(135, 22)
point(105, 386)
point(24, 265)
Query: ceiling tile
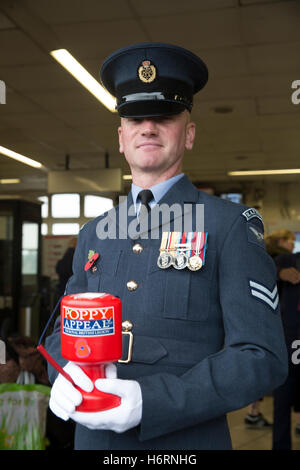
point(285, 140)
point(258, 2)
point(159, 8)
point(75, 11)
point(273, 22)
point(274, 58)
point(279, 121)
point(96, 34)
point(36, 121)
point(50, 76)
point(237, 141)
point(10, 168)
point(274, 105)
point(197, 31)
point(273, 85)
point(17, 49)
point(96, 116)
point(77, 98)
point(228, 88)
point(12, 136)
point(5, 23)
point(224, 62)
point(204, 109)
point(16, 103)
point(230, 123)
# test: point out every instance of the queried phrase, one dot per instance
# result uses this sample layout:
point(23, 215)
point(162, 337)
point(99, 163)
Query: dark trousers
point(286, 397)
point(283, 402)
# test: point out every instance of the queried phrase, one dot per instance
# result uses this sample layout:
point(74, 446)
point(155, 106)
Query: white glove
point(64, 397)
point(121, 418)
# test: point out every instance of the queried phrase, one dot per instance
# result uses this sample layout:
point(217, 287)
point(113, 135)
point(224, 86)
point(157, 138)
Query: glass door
point(6, 259)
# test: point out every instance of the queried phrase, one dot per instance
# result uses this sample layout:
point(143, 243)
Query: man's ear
point(121, 149)
point(190, 135)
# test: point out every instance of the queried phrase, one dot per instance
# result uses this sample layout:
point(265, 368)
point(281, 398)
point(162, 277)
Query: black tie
point(145, 197)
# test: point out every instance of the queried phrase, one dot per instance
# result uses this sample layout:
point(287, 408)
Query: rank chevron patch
point(261, 292)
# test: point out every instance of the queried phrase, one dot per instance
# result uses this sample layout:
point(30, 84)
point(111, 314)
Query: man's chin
point(149, 164)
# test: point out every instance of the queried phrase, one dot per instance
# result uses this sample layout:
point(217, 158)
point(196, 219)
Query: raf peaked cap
point(153, 79)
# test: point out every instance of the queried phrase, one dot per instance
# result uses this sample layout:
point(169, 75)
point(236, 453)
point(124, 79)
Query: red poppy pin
point(91, 260)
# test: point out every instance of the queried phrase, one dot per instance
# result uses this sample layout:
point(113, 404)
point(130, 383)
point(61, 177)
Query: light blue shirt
point(158, 190)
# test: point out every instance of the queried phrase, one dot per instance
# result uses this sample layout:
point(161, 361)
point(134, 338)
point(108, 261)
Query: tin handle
point(127, 327)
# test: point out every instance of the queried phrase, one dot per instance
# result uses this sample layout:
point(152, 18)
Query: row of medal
point(182, 249)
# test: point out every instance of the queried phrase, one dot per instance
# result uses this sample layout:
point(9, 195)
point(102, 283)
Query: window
point(65, 229)
point(96, 205)
point(65, 205)
point(233, 197)
point(30, 241)
point(45, 206)
point(44, 229)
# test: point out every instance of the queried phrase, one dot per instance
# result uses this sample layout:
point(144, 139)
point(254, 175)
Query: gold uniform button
point(132, 285)
point(137, 248)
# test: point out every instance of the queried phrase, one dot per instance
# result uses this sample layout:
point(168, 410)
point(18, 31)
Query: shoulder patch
point(251, 213)
point(255, 235)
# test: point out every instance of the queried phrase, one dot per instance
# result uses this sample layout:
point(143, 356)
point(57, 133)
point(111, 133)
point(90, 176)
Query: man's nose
point(149, 127)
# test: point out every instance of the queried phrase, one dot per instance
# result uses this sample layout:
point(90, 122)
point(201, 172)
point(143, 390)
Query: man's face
point(156, 145)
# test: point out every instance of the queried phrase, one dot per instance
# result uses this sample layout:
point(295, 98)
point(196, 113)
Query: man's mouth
point(149, 145)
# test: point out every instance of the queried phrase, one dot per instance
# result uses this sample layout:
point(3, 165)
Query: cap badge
point(147, 72)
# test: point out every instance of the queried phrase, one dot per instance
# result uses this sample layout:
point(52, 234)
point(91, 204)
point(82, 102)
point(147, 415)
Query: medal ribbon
point(205, 245)
point(194, 242)
point(190, 243)
point(177, 237)
point(180, 242)
point(199, 242)
point(171, 242)
point(164, 241)
point(183, 238)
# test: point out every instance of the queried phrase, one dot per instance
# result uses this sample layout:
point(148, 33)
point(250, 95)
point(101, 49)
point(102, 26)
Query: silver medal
point(180, 261)
point(165, 260)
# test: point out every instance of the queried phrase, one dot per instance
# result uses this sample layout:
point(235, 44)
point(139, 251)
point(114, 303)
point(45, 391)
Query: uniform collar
point(181, 192)
point(158, 191)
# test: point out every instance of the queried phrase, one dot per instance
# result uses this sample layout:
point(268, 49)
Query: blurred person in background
point(287, 396)
point(64, 269)
point(278, 242)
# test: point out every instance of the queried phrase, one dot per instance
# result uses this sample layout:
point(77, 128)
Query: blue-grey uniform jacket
point(206, 342)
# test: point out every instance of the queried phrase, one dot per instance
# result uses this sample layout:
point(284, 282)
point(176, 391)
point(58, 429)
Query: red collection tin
point(91, 336)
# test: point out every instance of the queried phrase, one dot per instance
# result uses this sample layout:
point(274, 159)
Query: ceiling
point(251, 48)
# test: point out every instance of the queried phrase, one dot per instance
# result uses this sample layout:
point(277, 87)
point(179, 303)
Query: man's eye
point(135, 120)
point(165, 118)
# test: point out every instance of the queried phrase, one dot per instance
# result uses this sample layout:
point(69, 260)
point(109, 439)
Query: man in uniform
point(202, 302)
